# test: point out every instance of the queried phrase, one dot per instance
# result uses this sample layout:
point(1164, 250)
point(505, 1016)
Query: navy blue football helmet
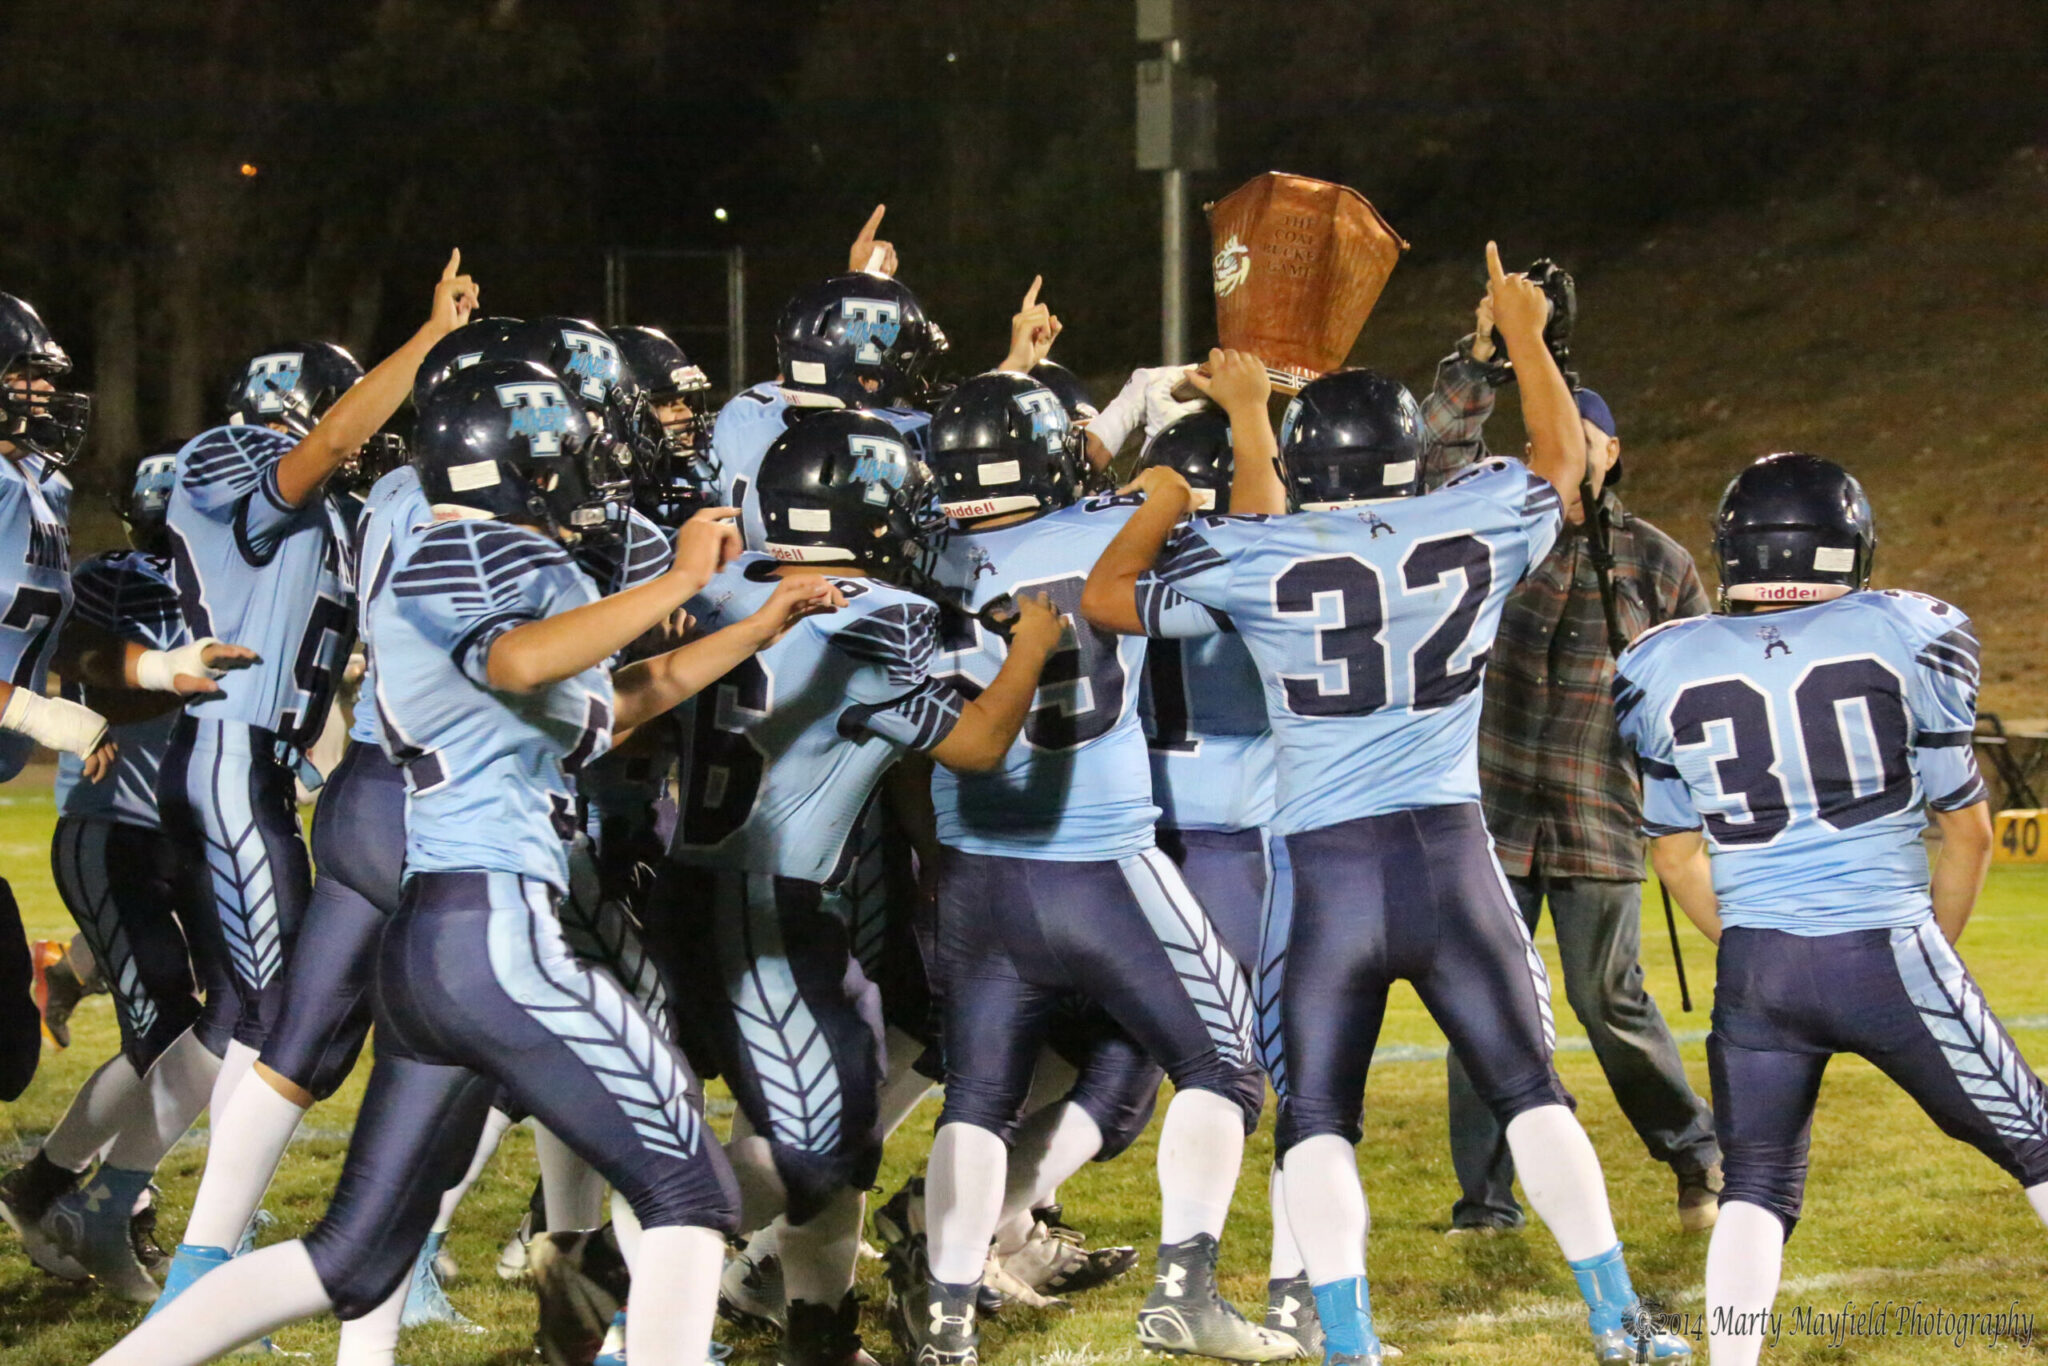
point(1001, 443)
point(145, 501)
point(1198, 445)
point(290, 386)
point(674, 473)
point(1351, 437)
point(1793, 528)
point(853, 341)
point(459, 350)
point(1081, 409)
point(49, 423)
point(845, 487)
point(510, 438)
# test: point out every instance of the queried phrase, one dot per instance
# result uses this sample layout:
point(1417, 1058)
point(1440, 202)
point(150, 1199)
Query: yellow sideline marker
point(2019, 837)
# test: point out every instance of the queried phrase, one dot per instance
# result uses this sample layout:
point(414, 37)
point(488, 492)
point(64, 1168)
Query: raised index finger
point(454, 266)
point(1031, 294)
point(1494, 273)
point(867, 229)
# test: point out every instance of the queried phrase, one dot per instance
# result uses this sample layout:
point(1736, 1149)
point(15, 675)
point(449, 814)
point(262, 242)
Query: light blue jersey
point(255, 572)
point(128, 594)
point(748, 425)
point(1371, 626)
point(1077, 784)
point(1204, 712)
point(640, 553)
point(395, 510)
point(35, 577)
point(488, 773)
point(1807, 744)
point(789, 746)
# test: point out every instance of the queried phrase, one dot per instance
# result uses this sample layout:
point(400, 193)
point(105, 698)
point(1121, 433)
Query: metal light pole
point(1176, 133)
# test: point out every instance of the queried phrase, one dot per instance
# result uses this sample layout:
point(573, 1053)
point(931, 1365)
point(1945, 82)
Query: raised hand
point(706, 544)
point(455, 296)
point(868, 253)
point(1520, 307)
point(1032, 330)
point(1236, 381)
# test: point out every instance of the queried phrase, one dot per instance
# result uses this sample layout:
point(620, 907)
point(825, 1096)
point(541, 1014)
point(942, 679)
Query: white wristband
point(54, 722)
point(157, 670)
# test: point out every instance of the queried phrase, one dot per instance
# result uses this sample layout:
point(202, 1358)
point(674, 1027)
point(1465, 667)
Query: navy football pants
point(226, 789)
point(138, 898)
point(21, 1025)
point(1784, 1004)
point(359, 850)
point(476, 991)
point(1018, 937)
point(1414, 895)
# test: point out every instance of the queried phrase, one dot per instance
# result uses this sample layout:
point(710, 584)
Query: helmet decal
point(593, 363)
point(540, 413)
point(881, 464)
point(1045, 410)
point(872, 324)
point(271, 380)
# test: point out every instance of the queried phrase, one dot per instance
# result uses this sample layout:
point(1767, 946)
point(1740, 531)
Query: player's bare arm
point(106, 662)
point(1557, 438)
point(1960, 867)
point(357, 414)
point(1681, 864)
point(539, 653)
point(645, 690)
point(1110, 598)
point(988, 724)
point(1238, 383)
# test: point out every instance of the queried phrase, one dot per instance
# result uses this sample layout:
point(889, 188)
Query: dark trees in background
point(533, 134)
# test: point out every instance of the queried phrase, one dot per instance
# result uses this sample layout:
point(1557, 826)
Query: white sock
point(1326, 1208)
point(903, 1086)
point(1283, 1263)
point(495, 1125)
point(626, 1228)
point(570, 1188)
point(1201, 1146)
point(675, 1297)
point(235, 1064)
point(1050, 1147)
point(819, 1256)
point(963, 1200)
point(372, 1340)
point(1561, 1176)
point(164, 1106)
point(227, 1307)
point(2037, 1196)
point(248, 1140)
point(1743, 1264)
point(762, 1196)
point(94, 1117)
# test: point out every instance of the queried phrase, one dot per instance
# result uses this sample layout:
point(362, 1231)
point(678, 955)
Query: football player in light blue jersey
point(1370, 613)
point(1052, 887)
point(260, 544)
point(493, 687)
point(786, 755)
point(1793, 751)
point(131, 890)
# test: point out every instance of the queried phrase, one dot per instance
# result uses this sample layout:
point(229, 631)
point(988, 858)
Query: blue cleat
point(188, 1264)
point(92, 1225)
point(1623, 1330)
point(1344, 1309)
point(613, 1353)
point(425, 1300)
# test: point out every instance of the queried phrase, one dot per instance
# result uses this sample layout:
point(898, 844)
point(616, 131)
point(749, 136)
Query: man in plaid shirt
point(1563, 802)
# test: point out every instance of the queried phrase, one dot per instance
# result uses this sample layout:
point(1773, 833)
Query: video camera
point(1557, 332)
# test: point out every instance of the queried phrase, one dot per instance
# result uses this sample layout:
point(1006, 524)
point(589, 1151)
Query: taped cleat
point(750, 1289)
point(999, 1290)
point(1185, 1316)
point(1053, 1261)
point(425, 1300)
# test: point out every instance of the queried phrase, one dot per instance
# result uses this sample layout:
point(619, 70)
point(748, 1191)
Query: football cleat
point(822, 1335)
point(613, 1352)
point(1054, 1261)
point(750, 1290)
point(94, 1224)
point(1640, 1338)
point(425, 1300)
point(26, 1194)
point(937, 1325)
point(1291, 1309)
point(56, 988)
point(999, 1290)
point(1185, 1316)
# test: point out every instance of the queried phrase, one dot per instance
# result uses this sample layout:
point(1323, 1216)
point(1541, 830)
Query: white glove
point(54, 722)
point(157, 670)
point(1162, 409)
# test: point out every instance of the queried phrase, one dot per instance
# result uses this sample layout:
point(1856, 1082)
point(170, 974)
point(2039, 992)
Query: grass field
point(1896, 1214)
